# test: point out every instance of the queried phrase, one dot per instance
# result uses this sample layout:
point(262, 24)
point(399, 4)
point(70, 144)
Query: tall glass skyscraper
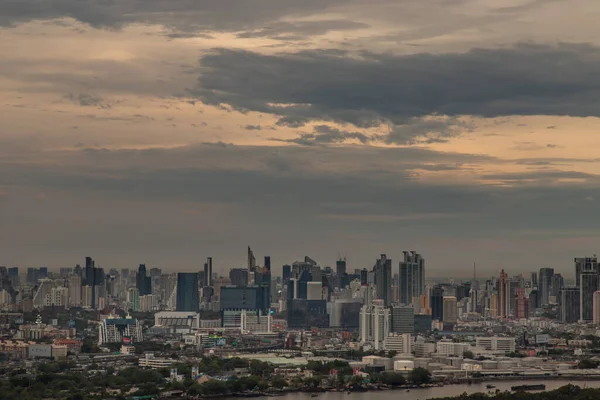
point(188, 298)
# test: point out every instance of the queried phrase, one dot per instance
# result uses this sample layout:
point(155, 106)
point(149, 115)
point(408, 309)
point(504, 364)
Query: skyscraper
point(584, 263)
point(556, 285)
point(286, 273)
point(437, 303)
point(239, 277)
point(251, 265)
point(340, 266)
point(502, 287)
point(208, 272)
point(568, 304)
point(596, 320)
point(544, 284)
point(411, 276)
point(450, 310)
point(188, 298)
point(588, 285)
point(383, 279)
point(143, 281)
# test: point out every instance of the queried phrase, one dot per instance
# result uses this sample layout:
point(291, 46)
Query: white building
point(497, 343)
point(423, 348)
point(113, 329)
point(447, 347)
point(150, 361)
point(374, 324)
point(401, 343)
point(75, 290)
point(179, 321)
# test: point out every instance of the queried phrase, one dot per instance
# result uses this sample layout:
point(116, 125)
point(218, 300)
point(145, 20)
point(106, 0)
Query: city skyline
point(160, 131)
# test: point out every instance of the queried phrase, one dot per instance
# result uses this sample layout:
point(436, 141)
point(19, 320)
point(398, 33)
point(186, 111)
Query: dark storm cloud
point(370, 89)
point(185, 15)
point(321, 182)
point(323, 134)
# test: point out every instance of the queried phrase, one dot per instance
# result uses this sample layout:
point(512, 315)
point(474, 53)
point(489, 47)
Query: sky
point(166, 131)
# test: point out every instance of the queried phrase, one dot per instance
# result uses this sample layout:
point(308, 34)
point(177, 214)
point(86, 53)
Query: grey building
point(382, 273)
point(544, 283)
point(584, 264)
point(239, 277)
point(411, 277)
point(403, 319)
point(188, 298)
point(568, 304)
point(245, 298)
point(588, 285)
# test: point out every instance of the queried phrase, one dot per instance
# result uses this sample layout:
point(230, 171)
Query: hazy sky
point(166, 131)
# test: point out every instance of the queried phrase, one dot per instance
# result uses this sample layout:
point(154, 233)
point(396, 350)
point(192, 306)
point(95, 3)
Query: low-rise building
point(497, 343)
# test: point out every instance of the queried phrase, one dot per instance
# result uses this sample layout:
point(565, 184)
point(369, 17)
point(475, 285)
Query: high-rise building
point(239, 276)
point(75, 287)
point(534, 301)
point(374, 324)
point(13, 276)
point(544, 284)
point(568, 304)
point(251, 265)
point(437, 303)
point(340, 266)
point(208, 272)
point(521, 304)
point(596, 319)
point(143, 281)
point(286, 273)
point(556, 285)
point(383, 279)
point(585, 264)
point(403, 319)
point(588, 285)
point(188, 298)
point(245, 298)
point(411, 276)
point(502, 288)
point(450, 310)
point(534, 279)
point(512, 286)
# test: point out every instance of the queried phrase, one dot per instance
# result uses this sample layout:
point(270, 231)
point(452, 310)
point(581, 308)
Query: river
point(436, 392)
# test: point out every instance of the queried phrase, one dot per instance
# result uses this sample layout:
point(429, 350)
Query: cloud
point(284, 30)
point(323, 134)
point(253, 127)
point(88, 100)
point(369, 89)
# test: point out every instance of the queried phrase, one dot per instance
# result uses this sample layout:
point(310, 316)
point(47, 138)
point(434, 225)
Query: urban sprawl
point(299, 326)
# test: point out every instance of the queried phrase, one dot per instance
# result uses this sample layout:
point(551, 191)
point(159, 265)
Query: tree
point(587, 364)
point(468, 354)
point(279, 382)
point(420, 376)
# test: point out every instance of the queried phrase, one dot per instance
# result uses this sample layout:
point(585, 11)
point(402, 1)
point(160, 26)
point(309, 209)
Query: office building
point(133, 299)
point(286, 273)
point(596, 320)
point(374, 324)
point(502, 289)
point(588, 285)
point(188, 298)
point(437, 303)
point(114, 330)
point(568, 304)
point(545, 282)
point(521, 304)
point(496, 343)
point(143, 281)
point(584, 264)
point(450, 310)
point(556, 284)
point(400, 343)
point(382, 272)
point(239, 277)
point(208, 272)
point(340, 266)
point(411, 277)
point(245, 298)
point(403, 319)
